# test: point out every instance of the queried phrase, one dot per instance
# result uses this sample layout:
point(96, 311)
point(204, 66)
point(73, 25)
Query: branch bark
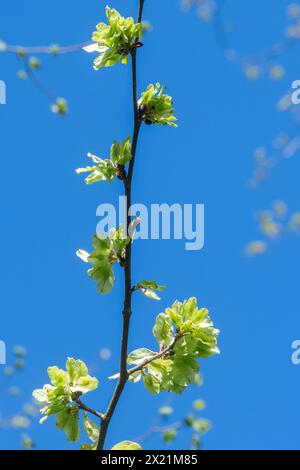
point(83, 407)
point(105, 421)
point(158, 355)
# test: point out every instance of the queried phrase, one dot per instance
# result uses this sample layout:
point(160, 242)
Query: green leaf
point(163, 330)
point(135, 377)
point(91, 429)
point(71, 367)
point(104, 170)
point(148, 288)
point(184, 371)
point(71, 427)
point(57, 376)
point(127, 445)
point(104, 276)
point(60, 397)
point(150, 294)
point(151, 384)
point(107, 250)
point(87, 447)
point(150, 285)
point(116, 39)
point(62, 418)
point(137, 356)
point(67, 420)
point(85, 384)
point(120, 153)
point(155, 107)
point(119, 240)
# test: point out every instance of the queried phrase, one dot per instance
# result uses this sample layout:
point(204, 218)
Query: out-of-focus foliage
point(191, 427)
point(274, 224)
point(25, 412)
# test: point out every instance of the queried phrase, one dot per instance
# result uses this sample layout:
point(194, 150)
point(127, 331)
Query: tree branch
point(83, 407)
point(158, 355)
point(127, 264)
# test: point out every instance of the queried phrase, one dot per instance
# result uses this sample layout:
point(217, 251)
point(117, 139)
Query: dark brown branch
point(83, 407)
point(127, 264)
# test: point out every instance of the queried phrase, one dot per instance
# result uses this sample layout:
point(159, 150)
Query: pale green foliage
point(60, 396)
point(106, 252)
point(92, 432)
point(104, 170)
point(148, 288)
point(120, 153)
point(155, 107)
point(116, 39)
point(127, 445)
point(107, 170)
point(186, 333)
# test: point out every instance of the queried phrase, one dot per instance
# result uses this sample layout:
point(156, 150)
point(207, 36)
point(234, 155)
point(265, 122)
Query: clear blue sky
point(47, 302)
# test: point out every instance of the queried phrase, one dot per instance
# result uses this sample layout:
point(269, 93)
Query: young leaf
point(148, 288)
point(163, 330)
point(87, 447)
point(71, 427)
point(115, 40)
point(137, 356)
point(60, 397)
point(91, 429)
point(120, 153)
point(151, 384)
point(104, 170)
point(155, 107)
point(127, 445)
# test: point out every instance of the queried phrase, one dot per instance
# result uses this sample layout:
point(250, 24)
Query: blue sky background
point(49, 305)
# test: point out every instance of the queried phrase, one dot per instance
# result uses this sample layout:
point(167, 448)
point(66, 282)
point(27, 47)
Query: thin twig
point(83, 407)
point(51, 50)
point(38, 83)
point(156, 356)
